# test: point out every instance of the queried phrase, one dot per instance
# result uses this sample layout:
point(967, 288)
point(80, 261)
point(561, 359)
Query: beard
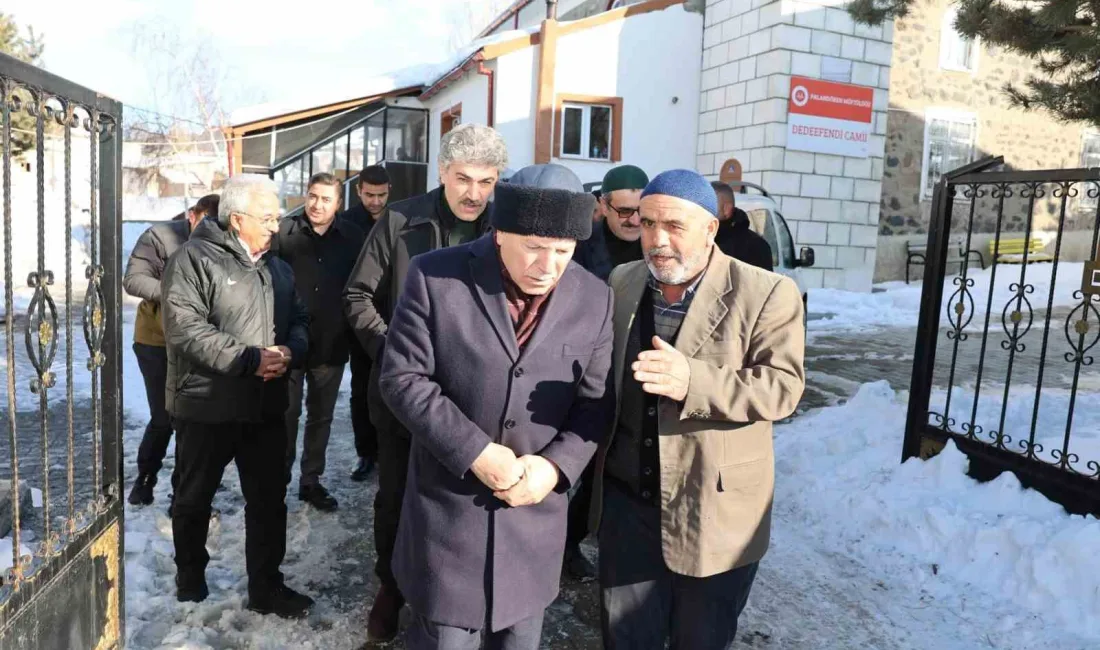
point(678, 269)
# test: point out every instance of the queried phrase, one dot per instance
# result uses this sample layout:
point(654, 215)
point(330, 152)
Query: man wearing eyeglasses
point(616, 241)
point(233, 325)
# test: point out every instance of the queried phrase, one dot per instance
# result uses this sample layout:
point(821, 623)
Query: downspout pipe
point(551, 9)
point(490, 115)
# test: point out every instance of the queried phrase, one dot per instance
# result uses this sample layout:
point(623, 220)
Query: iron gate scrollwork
point(967, 365)
point(66, 592)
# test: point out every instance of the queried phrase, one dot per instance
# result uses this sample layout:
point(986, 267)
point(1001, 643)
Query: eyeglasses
point(625, 213)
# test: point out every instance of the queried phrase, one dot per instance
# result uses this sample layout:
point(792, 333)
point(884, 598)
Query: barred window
point(948, 145)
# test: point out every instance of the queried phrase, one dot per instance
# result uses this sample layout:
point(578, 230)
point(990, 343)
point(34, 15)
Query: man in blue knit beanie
point(708, 353)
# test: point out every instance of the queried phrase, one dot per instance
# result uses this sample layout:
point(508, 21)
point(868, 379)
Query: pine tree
point(29, 50)
point(1061, 36)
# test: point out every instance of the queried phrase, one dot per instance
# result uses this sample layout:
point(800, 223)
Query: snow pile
point(896, 304)
point(1050, 423)
point(927, 524)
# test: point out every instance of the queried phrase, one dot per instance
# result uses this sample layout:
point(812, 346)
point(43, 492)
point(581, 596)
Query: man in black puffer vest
point(233, 325)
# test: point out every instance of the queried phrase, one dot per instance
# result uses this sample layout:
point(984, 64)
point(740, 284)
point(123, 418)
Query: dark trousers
point(642, 603)
point(153, 363)
point(322, 387)
point(202, 453)
point(366, 436)
point(393, 469)
point(580, 502)
point(426, 635)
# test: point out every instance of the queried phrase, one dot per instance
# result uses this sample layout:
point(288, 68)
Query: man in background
point(321, 247)
point(373, 188)
point(471, 159)
point(142, 280)
point(234, 326)
point(615, 242)
point(735, 238)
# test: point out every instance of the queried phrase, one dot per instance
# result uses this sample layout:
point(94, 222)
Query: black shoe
point(142, 492)
point(577, 565)
point(318, 497)
point(191, 590)
point(363, 469)
point(383, 622)
point(283, 602)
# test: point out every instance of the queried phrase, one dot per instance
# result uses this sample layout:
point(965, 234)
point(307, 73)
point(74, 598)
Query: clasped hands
point(274, 362)
point(523, 481)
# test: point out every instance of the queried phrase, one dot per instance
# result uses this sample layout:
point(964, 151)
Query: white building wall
point(516, 96)
point(651, 61)
point(472, 92)
point(751, 48)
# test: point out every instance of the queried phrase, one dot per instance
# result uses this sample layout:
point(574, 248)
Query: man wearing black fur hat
point(501, 426)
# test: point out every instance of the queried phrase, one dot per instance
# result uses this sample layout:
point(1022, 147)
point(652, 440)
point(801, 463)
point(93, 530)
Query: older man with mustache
point(708, 353)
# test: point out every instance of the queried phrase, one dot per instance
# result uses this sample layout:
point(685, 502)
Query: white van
point(766, 221)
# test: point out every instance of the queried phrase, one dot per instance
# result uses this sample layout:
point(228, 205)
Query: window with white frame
point(956, 51)
point(1090, 159)
point(586, 131)
point(948, 144)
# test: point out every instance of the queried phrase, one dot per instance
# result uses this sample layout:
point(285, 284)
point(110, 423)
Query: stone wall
point(751, 50)
point(1027, 140)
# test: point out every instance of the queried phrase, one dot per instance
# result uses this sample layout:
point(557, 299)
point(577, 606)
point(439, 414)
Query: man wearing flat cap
point(708, 353)
point(615, 240)
point(497, 362)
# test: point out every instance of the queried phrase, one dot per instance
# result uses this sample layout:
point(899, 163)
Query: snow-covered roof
point(410, 78)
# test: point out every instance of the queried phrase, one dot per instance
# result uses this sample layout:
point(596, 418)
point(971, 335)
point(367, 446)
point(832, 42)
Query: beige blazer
point(744, 338)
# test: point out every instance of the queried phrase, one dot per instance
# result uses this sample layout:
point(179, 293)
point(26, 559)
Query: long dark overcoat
point(452, 373)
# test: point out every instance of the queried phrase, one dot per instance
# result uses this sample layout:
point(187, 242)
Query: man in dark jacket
point(321, 247)
point(471, 158)
point(574, 563)
point(497, 361)
point(233, 325)
point(615, 240)
point(142, 280)
point(373, 188)
point(735, 238)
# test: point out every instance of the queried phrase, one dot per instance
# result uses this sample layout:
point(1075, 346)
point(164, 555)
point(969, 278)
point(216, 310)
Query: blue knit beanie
point(684, 184)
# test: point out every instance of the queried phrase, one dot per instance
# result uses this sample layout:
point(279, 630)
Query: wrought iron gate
point(1013, 394)
point(62, 147)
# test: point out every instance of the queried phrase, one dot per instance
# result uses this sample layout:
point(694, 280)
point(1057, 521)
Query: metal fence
point(1002, 368)
point(62, 147)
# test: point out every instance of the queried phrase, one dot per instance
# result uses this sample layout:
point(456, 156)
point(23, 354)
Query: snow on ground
point(1011, 564)
point(866, 553)
point(896, 304)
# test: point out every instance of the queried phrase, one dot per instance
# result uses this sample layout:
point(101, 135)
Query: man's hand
point(540, 479)
point(273, 364)
point(663, 371)
point(497, 467)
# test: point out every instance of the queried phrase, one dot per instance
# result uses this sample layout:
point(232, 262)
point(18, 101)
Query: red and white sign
point(829, 117)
